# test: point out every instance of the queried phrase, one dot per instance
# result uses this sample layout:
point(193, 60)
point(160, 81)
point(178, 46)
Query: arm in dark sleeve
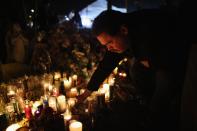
point(104, 69)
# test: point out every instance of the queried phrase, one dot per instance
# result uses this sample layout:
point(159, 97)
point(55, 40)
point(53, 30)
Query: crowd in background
point(63, 46)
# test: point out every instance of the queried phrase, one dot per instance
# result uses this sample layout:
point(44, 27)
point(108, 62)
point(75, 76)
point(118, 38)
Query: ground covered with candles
point(45, 97)
point(48, 102)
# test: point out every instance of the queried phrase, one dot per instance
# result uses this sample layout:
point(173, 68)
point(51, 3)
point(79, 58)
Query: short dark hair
point(108, 21)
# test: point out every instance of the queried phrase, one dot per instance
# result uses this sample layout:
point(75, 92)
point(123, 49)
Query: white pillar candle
point(75, 126)
point(61, 100)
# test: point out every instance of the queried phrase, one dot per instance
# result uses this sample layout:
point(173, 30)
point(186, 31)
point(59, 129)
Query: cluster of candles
point(52, 97)
point(68, 82)
point(64, 102)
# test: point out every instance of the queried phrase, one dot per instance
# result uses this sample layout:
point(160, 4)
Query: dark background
point(48, 10)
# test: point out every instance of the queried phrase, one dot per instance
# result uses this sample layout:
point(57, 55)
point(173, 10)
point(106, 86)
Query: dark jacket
point(156, 37)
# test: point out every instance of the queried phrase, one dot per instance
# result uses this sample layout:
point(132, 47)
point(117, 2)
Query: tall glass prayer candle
point(53, 103)
point(61, 100)
point(27, 111)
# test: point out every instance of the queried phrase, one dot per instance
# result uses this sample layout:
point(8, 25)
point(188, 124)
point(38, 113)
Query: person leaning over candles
point(152, 38)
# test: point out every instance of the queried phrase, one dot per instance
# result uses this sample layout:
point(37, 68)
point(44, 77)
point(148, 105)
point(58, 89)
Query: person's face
point(117, 43)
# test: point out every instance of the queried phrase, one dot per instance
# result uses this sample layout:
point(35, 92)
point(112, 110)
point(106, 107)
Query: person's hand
point(82, 97)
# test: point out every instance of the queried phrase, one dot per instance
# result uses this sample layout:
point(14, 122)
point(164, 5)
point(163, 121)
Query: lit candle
point(67, 115)
point(75, 126)
point(107, 91)
point(123, 74)
point(13, 127)
point(27, 111)
point(67, 83)
point(57, 75)
point(61, 100)
point(81, 91)
point(74, 77)
point(73, 92)
point(47, 86)
point(11, 93)
point(71, 102)
point(125, 60)
point(35, 106)
point(101, 91)
point(53, 103)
